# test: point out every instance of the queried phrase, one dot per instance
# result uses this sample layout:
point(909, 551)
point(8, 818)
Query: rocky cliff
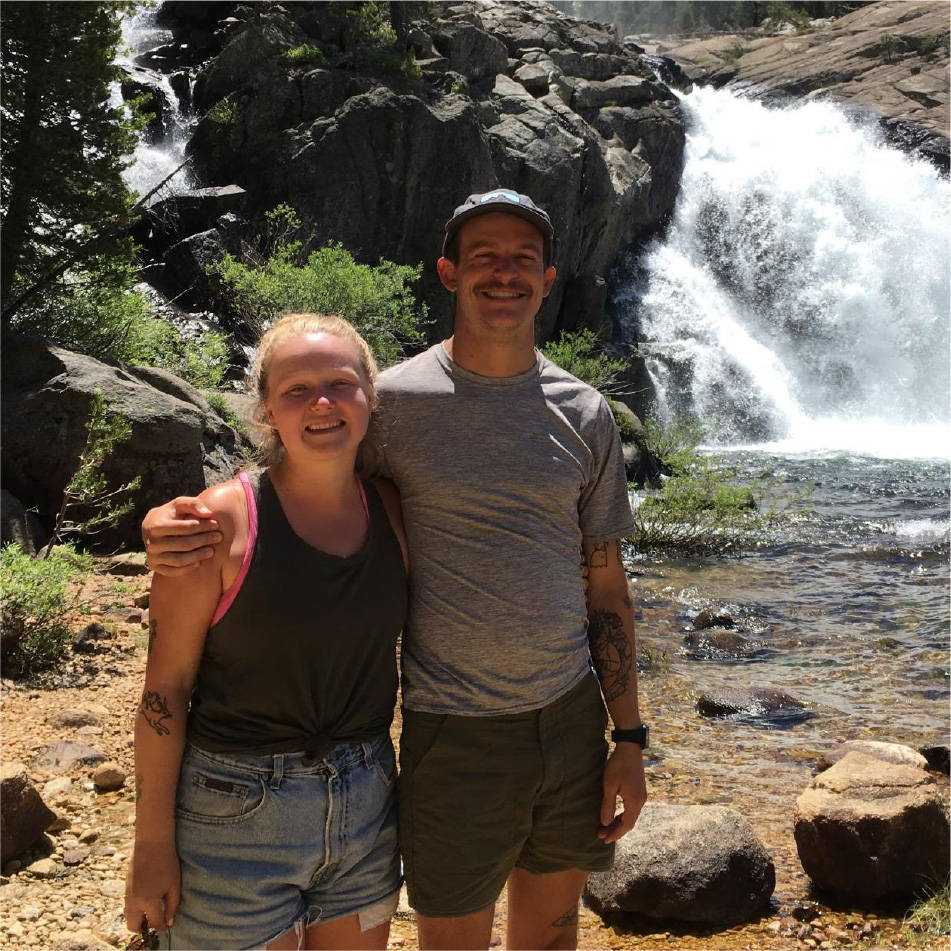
point(376, 152)
point(889, 58)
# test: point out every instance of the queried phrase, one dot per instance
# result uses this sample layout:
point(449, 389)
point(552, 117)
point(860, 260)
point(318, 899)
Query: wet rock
point(712, 617)
point(720, 644)
point(75, 718)
point(763, 703)
point(937, 757)
point(23, 814)
point(687, 863)
point(888, 752)
point(872, 830)
point(62, 756)
point(108, 776)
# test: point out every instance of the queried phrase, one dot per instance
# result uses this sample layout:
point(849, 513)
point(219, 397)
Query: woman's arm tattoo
point(610, 651)
point(155, 710)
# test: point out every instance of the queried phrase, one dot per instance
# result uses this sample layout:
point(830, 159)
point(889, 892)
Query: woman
point(264, 769)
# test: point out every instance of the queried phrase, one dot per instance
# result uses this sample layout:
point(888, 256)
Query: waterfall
point(800, 296)
point(157, 155)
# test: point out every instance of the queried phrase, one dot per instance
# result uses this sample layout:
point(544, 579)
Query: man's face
point(500, 278)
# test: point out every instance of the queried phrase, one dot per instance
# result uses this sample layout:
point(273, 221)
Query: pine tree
point(63, 202)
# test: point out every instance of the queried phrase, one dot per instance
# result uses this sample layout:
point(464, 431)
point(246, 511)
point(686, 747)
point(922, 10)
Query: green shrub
point(674, 443)
point(732, 54)
point(38, 597)
point(580, 354)
point(369, 25)
point(220, 405)
point(779, 14)
point(889, 47)
point(304, 56)
point(224, 112)
point(200, 361)
point(930, 915)
point(377, 299)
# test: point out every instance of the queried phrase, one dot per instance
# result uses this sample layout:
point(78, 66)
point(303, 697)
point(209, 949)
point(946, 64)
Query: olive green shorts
point(480, 796)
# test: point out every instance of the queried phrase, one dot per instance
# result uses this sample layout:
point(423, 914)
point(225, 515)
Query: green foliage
point(625, 425)
point(220, 405)
point(931, 45)
point(64, 204)
point(889, 47)
point(369, 25)
point(779, 14)
point(201, 361)
point(304, 56)
point(731, 55)
point(87, 491)
point(931, 914)
point(224, 112)
point(701, 510)
point(580, 354)
point(377, 299)
point(37, 599)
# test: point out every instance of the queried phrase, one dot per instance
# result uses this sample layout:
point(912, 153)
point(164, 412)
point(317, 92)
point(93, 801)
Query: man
point(506, 466)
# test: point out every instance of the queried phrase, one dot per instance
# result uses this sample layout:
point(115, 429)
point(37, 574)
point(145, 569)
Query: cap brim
point(508, 208)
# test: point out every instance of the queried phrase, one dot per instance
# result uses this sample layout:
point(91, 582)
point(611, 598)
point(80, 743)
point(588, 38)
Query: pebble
point(112, 889)
point(44, 868)
point(74, 856)
point(57, 787)
point(108, 776)
point(89, 836)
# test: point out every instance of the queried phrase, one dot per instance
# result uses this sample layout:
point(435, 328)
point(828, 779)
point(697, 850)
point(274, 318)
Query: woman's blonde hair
point(270, 450)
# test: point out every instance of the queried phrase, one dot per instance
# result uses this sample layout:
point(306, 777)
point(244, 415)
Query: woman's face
point(317, 396)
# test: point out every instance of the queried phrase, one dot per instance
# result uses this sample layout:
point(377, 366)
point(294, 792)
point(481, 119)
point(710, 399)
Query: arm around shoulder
point(390, 497)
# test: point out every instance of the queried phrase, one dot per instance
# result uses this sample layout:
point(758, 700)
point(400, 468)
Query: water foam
point(800, 298)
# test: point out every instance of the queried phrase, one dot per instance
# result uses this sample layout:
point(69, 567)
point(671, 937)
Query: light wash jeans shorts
point(272, 842)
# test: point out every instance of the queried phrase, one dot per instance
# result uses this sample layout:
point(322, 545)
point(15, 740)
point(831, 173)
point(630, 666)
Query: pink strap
point(363, 499)
point(227, 598)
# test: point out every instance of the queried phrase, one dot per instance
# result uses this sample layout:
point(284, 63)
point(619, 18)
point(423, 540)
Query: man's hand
point(624, 777)
point(179, 535)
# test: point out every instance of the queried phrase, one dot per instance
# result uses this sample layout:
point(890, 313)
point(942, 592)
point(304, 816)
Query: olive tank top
point(302, 656)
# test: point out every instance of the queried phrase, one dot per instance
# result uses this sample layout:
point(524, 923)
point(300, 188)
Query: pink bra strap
point(227, 598)
point(363, 499)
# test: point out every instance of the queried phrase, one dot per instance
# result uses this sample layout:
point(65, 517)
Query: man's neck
point(490, 358)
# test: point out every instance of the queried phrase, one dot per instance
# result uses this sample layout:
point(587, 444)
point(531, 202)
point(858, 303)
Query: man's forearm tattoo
point(611, 652)
point(567, 920)
point(153, 635)
point(155, 710)
point(599, 555)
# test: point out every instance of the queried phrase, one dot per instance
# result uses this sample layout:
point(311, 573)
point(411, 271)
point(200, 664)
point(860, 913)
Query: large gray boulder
point(20, 524)
point(24, 816)
point(686, 863)
point(178, 444)
point(379, 161)
point(872, 830)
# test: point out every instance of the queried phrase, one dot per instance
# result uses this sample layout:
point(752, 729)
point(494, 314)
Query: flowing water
point(798, 306)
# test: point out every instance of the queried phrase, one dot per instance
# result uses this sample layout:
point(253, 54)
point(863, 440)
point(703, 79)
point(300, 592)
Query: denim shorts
point(272, 842)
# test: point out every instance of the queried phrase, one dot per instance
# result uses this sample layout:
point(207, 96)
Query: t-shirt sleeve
point(604, 509)
point(373, 458)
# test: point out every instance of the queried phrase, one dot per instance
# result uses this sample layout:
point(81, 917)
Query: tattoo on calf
point(153, 635)
point(611, 652)
point(567, 920)
point(155, 710)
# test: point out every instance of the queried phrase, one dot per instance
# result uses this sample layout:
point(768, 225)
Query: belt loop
point(278, 774)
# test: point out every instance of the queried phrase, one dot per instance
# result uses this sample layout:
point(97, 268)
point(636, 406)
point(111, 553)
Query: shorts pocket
point(383, 758)
point(217, 793)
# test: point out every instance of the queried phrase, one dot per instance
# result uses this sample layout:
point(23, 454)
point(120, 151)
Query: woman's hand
point(154, 887)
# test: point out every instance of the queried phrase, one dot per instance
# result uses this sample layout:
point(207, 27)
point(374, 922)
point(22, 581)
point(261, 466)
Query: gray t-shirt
point(501, 479)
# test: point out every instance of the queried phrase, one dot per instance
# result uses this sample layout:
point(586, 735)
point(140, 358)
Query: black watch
point(638, 735)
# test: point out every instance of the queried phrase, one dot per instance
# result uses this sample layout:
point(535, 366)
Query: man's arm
point(614, 654)
point(179, 535)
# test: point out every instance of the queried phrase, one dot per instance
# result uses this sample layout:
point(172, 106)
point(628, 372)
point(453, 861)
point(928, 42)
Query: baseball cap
point(501, 199)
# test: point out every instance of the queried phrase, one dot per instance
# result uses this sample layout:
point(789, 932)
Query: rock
point(59, 824)
point(848, 62)
point(194, 210)
point(90, 835)
point(591, 66)
point(86, 642)
point(57, 787)
point(619, 91)
point(112, 889)
point(23, 814)
point(760, 703)
point(534, 78)
point(872, 830)
point(937, 757)
point(471, 52)
point(62, 756)
point(44, 868)
point(889, 752)
point(73, 718)
point(187, 263)
point(805, 911)
point(128, 565)
point(47, 393)
point(686, 863)
point(712, 617)
point(80, 940)
point(142, 600)
point(75, 856)
point(720, 644)
point(108, 776)
point(21, 525)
